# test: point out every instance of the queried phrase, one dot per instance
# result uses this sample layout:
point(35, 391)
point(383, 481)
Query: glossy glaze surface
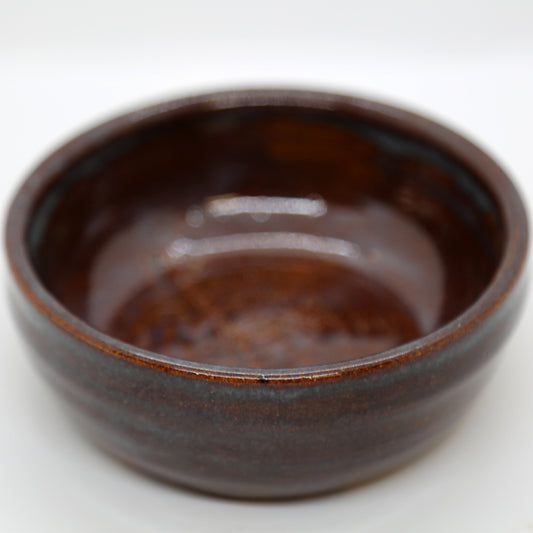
point(273, 239)
point(267, 294)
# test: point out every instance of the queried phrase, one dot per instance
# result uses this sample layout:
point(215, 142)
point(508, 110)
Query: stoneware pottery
point(267, 294)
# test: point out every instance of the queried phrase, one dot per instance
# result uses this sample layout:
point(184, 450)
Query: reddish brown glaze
point(267, 293)
point(265, 311)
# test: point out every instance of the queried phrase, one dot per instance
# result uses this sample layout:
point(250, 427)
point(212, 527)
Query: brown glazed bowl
point(267, 294)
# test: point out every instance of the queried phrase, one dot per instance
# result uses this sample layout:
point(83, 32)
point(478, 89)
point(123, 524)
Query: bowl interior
point(267, 236)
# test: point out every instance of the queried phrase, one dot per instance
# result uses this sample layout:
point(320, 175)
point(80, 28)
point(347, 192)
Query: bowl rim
point(451, 144)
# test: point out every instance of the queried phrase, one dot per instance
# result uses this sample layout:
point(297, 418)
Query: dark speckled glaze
point(267, 294)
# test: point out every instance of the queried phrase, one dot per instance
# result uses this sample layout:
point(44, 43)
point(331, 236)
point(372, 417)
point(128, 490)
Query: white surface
point(65, 65)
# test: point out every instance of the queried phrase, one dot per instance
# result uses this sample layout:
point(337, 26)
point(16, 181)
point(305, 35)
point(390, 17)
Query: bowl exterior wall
point(269, 437)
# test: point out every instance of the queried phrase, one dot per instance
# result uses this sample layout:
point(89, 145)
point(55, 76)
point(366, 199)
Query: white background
point(66, 65)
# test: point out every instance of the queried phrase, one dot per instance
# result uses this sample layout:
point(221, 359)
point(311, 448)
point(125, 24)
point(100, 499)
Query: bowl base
point(264, 310)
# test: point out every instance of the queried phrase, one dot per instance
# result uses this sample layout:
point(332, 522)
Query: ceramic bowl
point(267, 294)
